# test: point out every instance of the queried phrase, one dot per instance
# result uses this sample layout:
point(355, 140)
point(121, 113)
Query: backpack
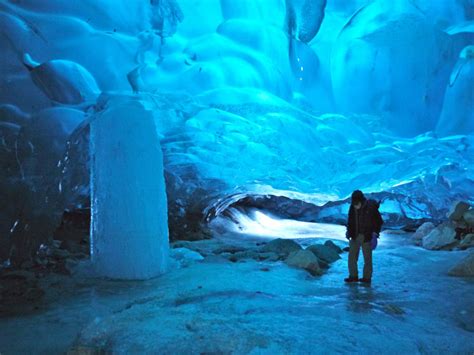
point(374, 241)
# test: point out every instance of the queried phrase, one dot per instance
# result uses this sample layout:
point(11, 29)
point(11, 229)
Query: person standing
point(363, 227)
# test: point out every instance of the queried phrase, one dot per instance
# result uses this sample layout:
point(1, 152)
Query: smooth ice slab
point(129, 229)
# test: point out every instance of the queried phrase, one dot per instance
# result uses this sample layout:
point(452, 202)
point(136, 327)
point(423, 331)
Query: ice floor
point(257, 307)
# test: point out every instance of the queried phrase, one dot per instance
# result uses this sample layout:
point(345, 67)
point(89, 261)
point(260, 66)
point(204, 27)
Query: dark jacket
point(366, 220)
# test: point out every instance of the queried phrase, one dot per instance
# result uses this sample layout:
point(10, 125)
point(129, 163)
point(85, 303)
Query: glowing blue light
point(264, 225)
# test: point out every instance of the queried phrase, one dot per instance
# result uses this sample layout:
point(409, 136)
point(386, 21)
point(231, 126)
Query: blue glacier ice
point(255, 100)
point(129, 230)
point(164, 143)
point(454, 118)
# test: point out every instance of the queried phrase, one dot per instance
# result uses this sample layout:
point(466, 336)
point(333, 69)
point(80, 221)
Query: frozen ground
point(260, 307)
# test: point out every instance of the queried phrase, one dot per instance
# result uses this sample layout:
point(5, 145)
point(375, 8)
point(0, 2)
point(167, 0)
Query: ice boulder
point(324, 252)
point(440, 237)
point(304, 259)
point(464, 268)
point(185, 256)
point(63, 81)
point(467, 241)
point(457, 210)
point(129, 221)
point(334, 246)
point(468, 217)
point(281, 246)
point(422, 231)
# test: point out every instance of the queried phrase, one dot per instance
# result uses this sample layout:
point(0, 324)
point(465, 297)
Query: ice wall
point(129, 224)
point(391, 60)
point(457, 116)
point(298, 98)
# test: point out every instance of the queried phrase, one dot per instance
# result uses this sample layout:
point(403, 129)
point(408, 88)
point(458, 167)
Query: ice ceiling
point(305, 99)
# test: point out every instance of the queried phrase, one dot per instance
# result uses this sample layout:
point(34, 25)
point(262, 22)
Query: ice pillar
point(129, 226)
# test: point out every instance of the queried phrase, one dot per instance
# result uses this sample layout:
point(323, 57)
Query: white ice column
point(129, 226)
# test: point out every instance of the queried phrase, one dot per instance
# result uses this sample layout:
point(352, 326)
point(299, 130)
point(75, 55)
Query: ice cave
point(236, 176)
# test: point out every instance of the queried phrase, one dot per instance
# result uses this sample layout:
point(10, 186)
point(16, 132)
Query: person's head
point(358, 199)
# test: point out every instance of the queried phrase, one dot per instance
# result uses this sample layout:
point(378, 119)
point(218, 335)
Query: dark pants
point(354, 249)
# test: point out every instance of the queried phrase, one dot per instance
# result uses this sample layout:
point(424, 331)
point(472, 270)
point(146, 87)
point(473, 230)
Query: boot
point(351, 279)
